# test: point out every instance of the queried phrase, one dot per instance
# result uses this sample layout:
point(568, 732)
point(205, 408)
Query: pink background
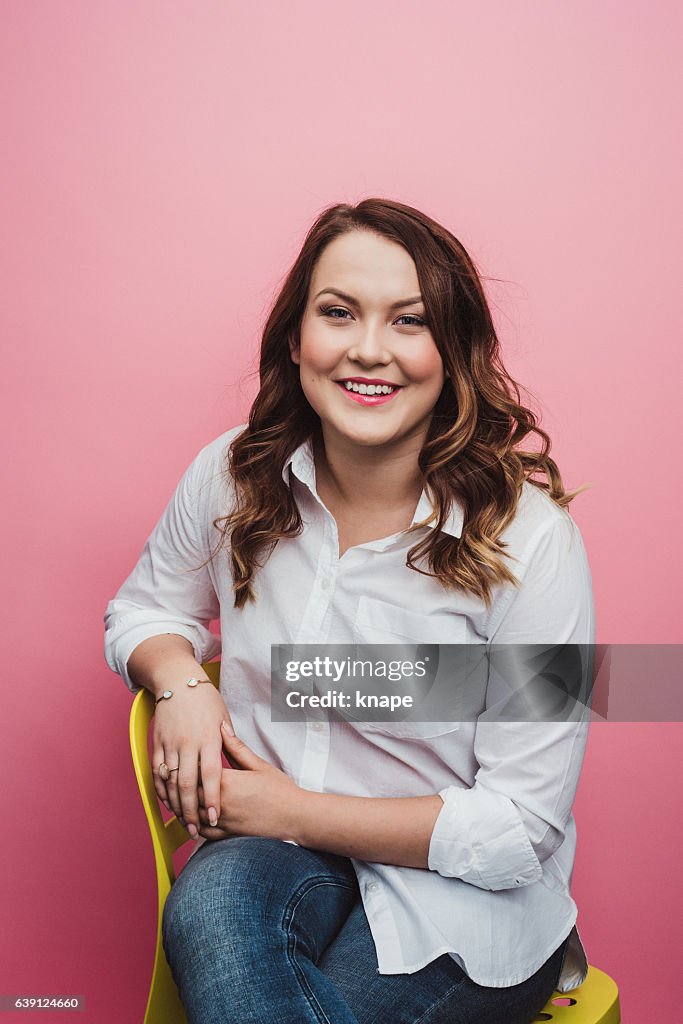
point(161, 164)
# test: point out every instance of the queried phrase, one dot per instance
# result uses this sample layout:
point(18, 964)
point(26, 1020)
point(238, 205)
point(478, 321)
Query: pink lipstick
point(356, 396)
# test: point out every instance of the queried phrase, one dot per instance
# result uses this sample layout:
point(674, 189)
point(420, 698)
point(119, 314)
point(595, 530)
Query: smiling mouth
point(368, 387)
point(368, 394)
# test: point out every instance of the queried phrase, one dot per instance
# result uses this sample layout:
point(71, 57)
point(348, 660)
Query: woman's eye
point(417, 320)
point(330, 311)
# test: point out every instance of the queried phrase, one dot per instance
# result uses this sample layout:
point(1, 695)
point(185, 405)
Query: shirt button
point(325, 583)
point(373, 886)
point(318, 726)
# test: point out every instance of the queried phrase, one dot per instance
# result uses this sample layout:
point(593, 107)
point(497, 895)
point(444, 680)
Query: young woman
point(364, 871)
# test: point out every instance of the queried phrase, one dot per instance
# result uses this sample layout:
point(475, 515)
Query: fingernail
point(192, 829)
point(213, 818)
point(227, 728)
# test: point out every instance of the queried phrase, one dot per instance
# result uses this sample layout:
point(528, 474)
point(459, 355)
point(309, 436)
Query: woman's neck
point(368, 478)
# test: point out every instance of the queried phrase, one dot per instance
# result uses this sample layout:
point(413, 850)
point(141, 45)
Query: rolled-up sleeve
point(167, 592)
point(497, 833)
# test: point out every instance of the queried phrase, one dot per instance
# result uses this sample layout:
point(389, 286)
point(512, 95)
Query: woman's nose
point(369, 347)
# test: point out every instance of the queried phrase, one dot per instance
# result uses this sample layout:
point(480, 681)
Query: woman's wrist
point(164, 662)
point(295, 816)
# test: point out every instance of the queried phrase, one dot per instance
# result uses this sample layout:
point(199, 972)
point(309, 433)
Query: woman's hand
point(256, 800)
point(187, 736)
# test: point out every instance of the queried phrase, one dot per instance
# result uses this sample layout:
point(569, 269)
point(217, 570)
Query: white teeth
point(369, 389)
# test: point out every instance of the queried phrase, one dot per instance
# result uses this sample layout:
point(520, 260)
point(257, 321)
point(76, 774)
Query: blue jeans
point(257, 930)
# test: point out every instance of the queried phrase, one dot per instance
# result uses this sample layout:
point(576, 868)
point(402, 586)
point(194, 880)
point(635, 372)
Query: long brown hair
point(471, 450)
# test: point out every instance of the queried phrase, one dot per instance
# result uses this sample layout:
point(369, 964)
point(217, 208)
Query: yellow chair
point(594, 1002)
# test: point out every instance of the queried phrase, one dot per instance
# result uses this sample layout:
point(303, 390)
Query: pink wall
point(161, 163)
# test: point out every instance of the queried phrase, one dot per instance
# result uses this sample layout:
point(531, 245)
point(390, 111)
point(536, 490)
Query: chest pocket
point(413, 636)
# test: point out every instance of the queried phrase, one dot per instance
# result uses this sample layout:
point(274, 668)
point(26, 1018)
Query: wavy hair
point(471, 452)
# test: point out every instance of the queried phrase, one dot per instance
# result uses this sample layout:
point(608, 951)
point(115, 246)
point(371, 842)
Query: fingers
point(159, 784)
point(210, 786)
point(187, 776)
point(195, 776)
point(169, 789)
point(205, 827)
point(173, 762)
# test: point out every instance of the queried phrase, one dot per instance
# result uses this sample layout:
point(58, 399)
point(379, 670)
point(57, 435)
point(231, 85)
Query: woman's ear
point(294, 351)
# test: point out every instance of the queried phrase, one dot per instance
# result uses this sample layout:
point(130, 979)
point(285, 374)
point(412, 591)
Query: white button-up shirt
point(496, 896)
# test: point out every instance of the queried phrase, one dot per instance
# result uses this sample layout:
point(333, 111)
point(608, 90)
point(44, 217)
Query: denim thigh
point(244, 926)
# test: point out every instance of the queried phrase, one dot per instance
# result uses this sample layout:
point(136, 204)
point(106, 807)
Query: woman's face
point(374, 335)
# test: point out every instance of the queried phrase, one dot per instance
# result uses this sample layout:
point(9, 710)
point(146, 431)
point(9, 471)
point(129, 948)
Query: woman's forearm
point(385, 830)
point(162, 661)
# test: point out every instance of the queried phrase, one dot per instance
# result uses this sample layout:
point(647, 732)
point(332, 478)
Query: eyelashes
point(418, 321)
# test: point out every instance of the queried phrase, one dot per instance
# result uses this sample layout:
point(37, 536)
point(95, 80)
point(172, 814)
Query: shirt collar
point(303, 466)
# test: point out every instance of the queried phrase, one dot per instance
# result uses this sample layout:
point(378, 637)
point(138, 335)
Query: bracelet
point(167, 694)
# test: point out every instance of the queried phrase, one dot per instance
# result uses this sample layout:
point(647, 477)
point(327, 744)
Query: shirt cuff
point(479, 836)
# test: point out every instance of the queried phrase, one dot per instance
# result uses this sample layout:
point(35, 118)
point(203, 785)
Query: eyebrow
point(412, 301)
